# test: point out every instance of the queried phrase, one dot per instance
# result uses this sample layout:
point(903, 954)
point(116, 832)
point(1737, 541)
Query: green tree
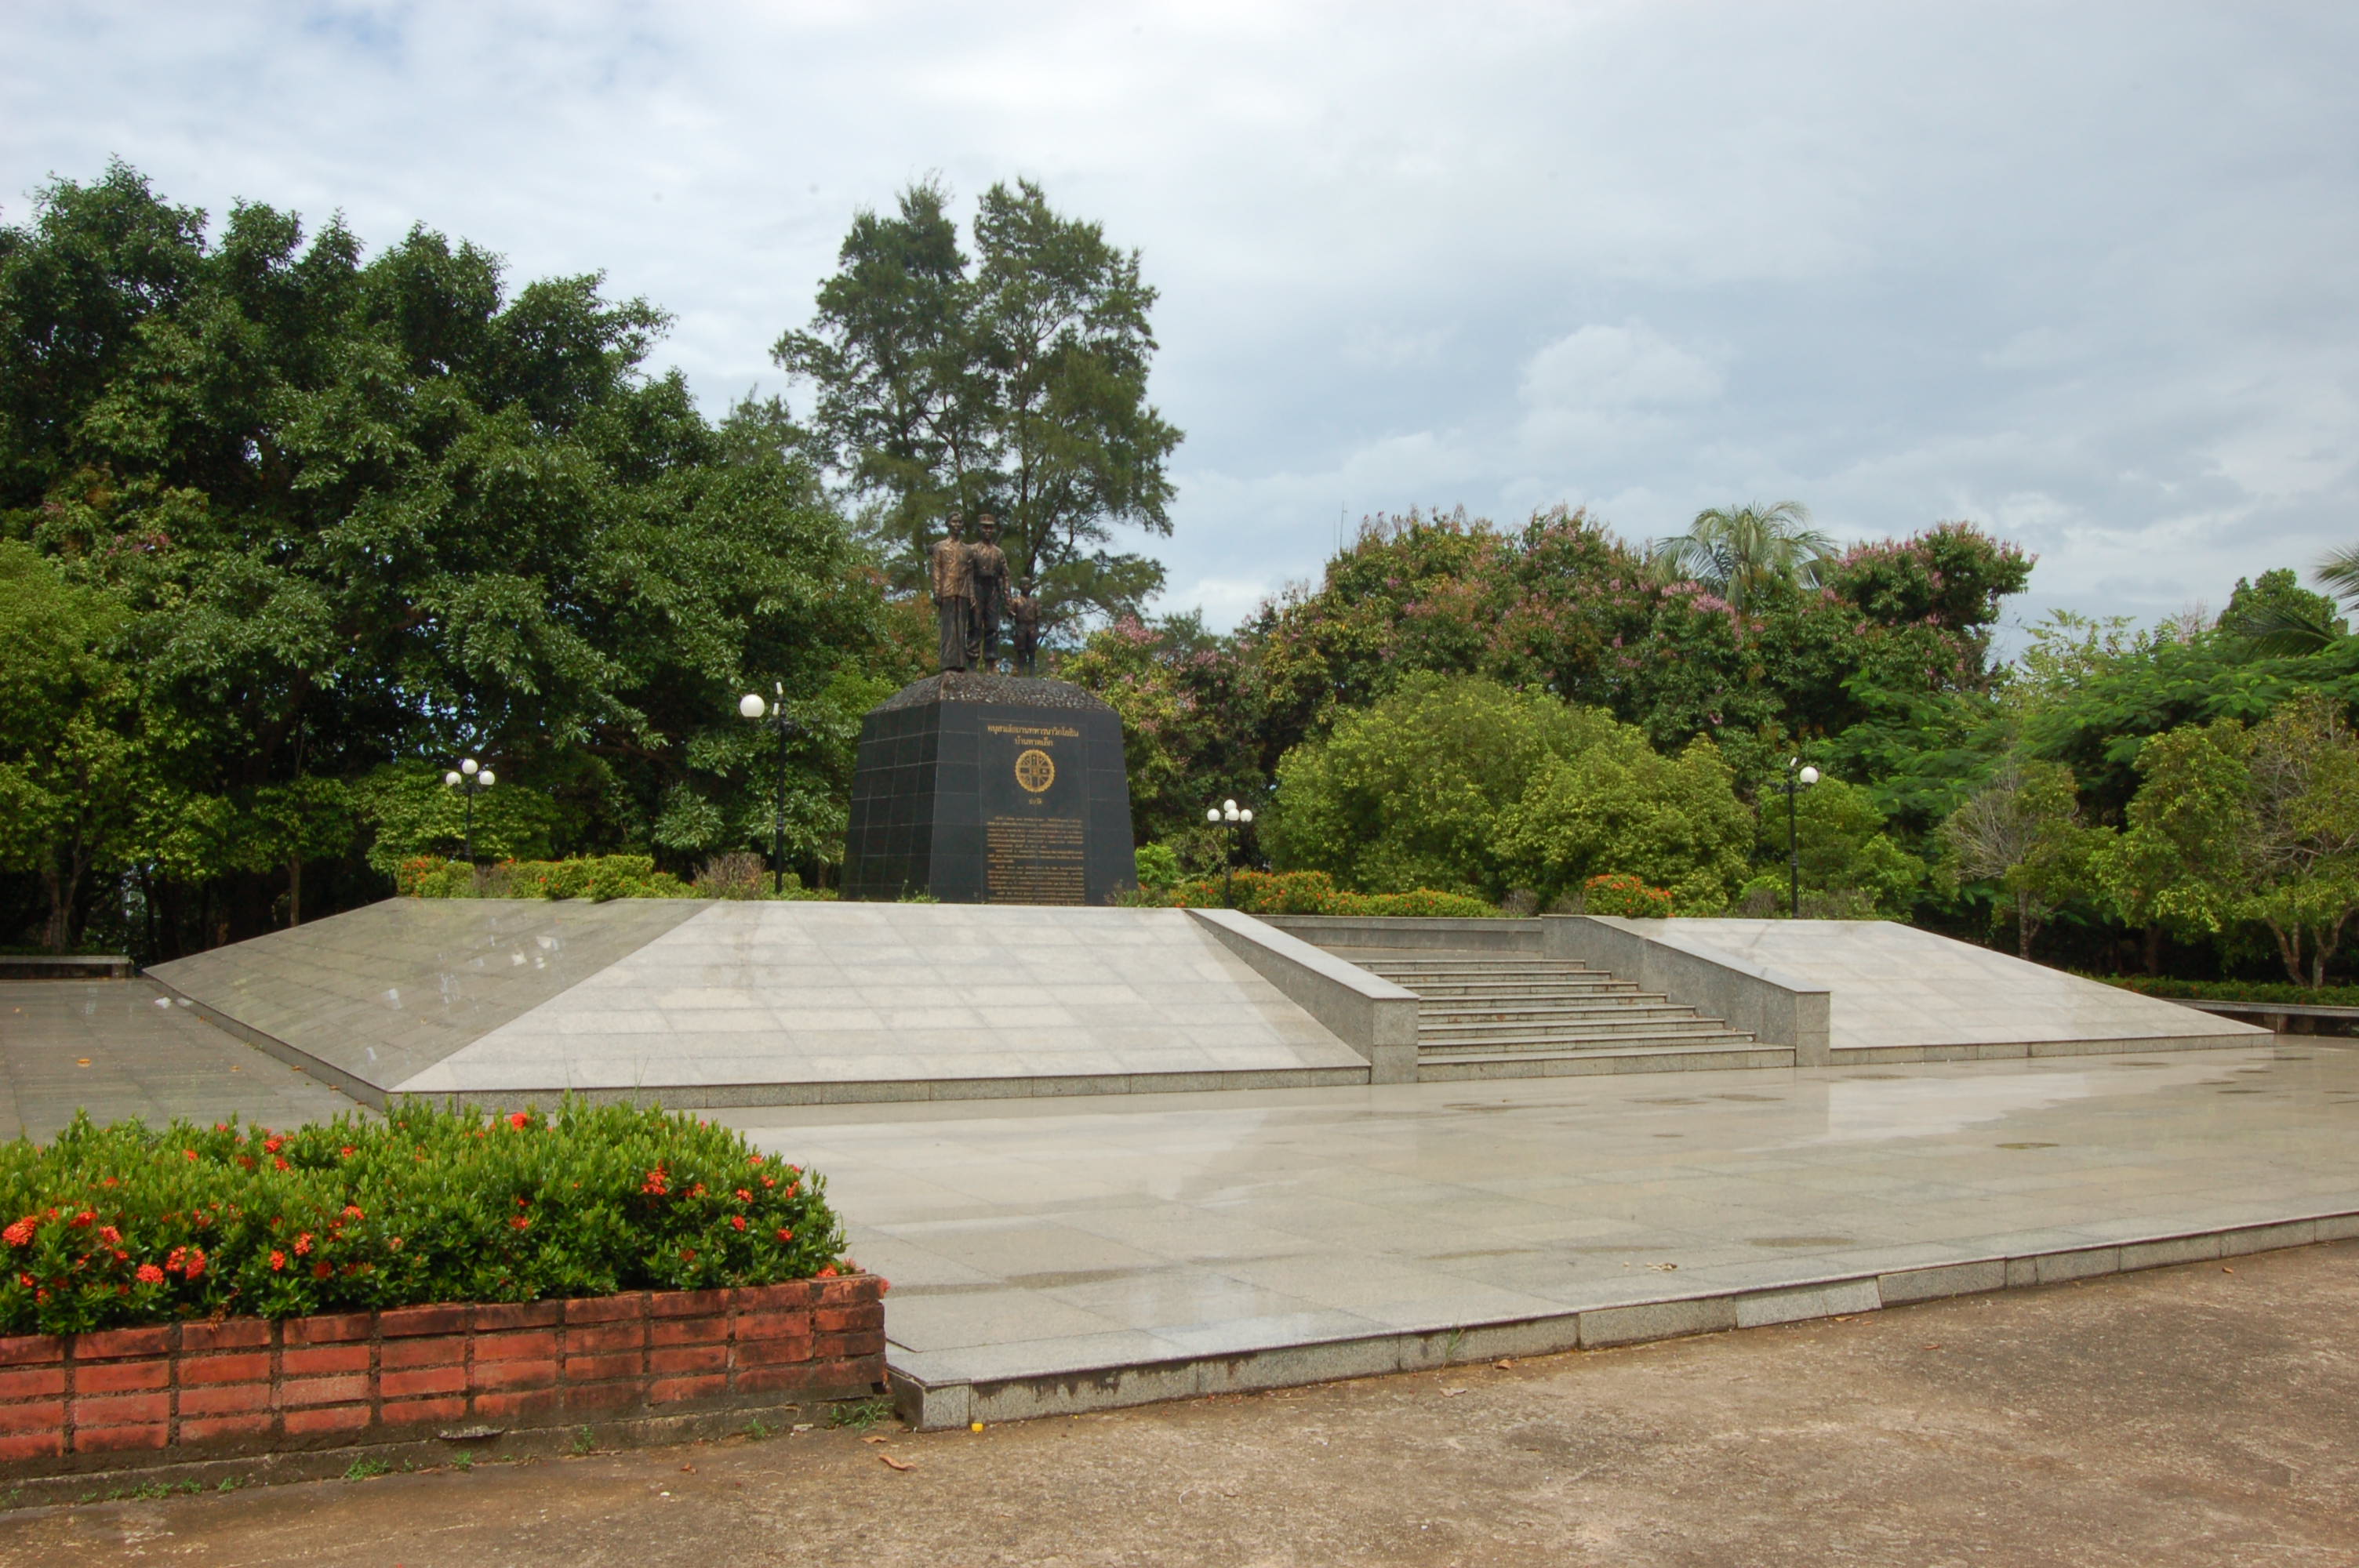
point(362, 512)
point(1192, 709)
point(2278, 616)
point(1012, 381)
point(1617, 807)
point(1852, 866)
point(2253, 826)
point(70, 762)
point(1465, 785)
point(2022, 834)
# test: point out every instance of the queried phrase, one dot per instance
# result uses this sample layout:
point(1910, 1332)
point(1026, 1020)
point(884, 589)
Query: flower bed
point(171, 1392)
point(119, 1227)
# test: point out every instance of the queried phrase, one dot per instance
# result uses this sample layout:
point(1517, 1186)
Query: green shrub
point(1305, 893)
point(594, 877)
point(118, 1225)
point(1624, 895)
point(2236, 991)
point(1158, 865)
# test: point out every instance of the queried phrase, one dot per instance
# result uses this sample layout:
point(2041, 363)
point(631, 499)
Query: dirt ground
point(2207, 1414)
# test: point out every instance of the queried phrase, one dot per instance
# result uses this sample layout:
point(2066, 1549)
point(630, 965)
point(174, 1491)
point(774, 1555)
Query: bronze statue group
point(972, 602)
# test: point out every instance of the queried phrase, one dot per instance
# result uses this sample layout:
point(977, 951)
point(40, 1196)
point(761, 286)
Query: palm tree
point(1737, 551)
point(2339, 570)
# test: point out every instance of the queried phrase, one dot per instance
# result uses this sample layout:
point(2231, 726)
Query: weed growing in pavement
point(757, 1429)
point(366, 1469)
point(464, 1460)
point(861, 1414)
point(585, 1442)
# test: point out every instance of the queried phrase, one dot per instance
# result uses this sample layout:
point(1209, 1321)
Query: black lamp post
point(753, 705)
point(469, 778)
point(1227, 815)
point(1795, 782)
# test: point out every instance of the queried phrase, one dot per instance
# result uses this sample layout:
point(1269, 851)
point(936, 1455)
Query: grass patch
point(861, 1414)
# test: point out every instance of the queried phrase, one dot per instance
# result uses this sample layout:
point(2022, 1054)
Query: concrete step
point(1583, 1064)
point(1439, 988)
point(1509, 964)
point(1603, 1007)
point(1650, 1040)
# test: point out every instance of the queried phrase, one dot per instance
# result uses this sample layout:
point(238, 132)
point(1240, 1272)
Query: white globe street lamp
point(1230, 815)
point(1795, 783)
point(469, 778)
point(752, 706)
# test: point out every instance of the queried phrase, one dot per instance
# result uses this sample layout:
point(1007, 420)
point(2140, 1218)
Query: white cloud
point(2079, 273)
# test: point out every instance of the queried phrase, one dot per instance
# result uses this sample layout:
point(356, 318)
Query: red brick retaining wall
point(249, 1385)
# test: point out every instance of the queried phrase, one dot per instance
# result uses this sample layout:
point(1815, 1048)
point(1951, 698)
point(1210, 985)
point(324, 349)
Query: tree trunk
point(2154, 950)
point(295, 890)
point(56, 930)
point(2023, 926)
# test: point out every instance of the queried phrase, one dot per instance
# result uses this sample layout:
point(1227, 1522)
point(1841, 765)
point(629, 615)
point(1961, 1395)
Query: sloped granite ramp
point(699, 1003)
point(1901, 994)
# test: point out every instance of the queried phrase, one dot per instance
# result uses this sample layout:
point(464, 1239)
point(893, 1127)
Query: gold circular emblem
point(1035, 771)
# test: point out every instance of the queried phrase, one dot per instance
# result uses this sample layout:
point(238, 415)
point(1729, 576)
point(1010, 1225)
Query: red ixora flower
point(111, 1236)
point(826, 1273)
point(273, 1145)
point(743, 1195)
point(786, 1235)
point(353, 1211)
point(520, 1222)
point(518, 1120)
point(320, 1270)
point(279, 1259)
point(148, 1274)
point(738, 1220)
point(346, 1151)
point(196, 1262)
point(20, 1233)
point(189, 1154)
point(303, 1244)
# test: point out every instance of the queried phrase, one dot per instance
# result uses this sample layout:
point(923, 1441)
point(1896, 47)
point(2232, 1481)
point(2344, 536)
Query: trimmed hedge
point(597, 877)
point(2236, 991)
point(114, 1226)
point(1305, 893)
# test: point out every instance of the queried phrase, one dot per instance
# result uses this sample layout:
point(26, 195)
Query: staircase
point(1506, 1016)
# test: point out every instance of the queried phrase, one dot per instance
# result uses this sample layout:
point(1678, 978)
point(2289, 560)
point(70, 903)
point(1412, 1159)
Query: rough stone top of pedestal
point(1016, 691)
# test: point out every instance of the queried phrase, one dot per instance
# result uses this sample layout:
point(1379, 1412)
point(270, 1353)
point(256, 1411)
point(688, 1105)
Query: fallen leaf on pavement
point(880, 1437)
point(1503, 1362)
point(1452, 1393)
point(896, 1463)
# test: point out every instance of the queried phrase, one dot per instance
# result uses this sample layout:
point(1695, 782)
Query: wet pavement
point(1062, 1236)
point(119, 1049)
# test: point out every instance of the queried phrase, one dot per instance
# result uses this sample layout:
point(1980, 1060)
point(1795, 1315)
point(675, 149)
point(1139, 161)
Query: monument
point(973, 787)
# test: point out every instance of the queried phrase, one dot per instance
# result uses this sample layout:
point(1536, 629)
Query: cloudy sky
point(2083, 275)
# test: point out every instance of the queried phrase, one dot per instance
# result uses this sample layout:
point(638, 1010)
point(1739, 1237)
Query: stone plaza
point(1113, 1155)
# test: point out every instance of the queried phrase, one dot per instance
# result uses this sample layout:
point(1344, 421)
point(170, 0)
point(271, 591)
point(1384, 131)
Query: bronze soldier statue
point(987, 564)
point(954, 581)
point(1023, 614)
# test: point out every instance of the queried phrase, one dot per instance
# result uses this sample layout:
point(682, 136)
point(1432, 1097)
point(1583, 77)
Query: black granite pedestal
point(990, 789)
